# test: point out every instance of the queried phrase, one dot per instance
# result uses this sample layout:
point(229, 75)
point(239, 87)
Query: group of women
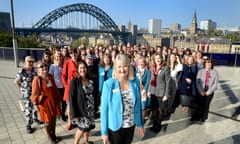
point(127, 82)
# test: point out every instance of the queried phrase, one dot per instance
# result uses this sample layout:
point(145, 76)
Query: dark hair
point(169, 60)
point(74, 51)
point(102, 64)
point(46, 53)
point(208, 60)
point(85, 64)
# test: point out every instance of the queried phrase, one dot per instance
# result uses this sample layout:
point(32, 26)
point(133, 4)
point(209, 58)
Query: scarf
point(153, 80)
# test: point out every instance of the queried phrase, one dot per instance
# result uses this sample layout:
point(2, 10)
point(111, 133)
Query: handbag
point(186, 100)
point(41, 96)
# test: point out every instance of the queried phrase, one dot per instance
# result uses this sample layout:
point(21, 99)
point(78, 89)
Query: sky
point(223, 12)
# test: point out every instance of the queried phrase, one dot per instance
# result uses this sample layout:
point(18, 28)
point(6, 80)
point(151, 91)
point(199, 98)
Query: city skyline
point(224, 13)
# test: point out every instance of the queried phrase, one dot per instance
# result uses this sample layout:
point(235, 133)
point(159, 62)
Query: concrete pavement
point(222, 127)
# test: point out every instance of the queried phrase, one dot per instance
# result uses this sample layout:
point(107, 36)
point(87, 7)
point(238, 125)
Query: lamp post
point(13, 35)
point(236, 55)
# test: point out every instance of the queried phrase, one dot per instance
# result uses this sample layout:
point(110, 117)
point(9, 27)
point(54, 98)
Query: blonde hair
point(29, 58)
point(125, 60)
point(141, 58)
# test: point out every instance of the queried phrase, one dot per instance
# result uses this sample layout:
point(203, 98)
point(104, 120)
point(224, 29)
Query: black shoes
point(38, 121)
point(197, 119)
point(64, 118)
point(29, 129)
point(194, 119)
point(156, 129)
point(202, 120)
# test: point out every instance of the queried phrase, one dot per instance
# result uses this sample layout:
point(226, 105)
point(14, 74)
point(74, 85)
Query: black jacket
point(77, 98)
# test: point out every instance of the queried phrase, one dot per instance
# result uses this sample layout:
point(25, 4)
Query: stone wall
point(211, 48)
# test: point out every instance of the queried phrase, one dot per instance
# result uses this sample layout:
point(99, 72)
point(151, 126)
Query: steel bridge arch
point(94, 11)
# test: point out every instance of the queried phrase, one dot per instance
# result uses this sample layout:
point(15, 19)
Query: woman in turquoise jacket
point(105, 70)
point(121, 104)
point(144, 77)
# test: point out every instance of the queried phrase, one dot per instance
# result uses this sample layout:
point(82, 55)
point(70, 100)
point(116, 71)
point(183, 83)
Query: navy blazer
point(112, 105)
point(184, 87)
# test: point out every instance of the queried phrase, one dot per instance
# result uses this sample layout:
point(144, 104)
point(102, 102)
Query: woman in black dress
point(81, 97)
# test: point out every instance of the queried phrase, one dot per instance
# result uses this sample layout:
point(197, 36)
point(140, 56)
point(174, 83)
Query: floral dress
point(86, 123)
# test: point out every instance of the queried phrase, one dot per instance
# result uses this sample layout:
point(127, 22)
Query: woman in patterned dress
point(81, 97)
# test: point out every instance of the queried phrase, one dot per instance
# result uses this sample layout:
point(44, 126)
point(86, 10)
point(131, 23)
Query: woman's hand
point(165, 98)
point(76, 119)
point(105, 139)
point(149, 94)
point(188, 80)
point(141, 132)
point(144, 95)
point(36, 107)
point(207, 94)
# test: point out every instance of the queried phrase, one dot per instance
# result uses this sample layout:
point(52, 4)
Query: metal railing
point(6, 53)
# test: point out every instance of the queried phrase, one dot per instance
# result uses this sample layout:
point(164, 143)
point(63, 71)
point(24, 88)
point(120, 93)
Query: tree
point(5, 39)
point(234, 37)
point(28, 42)
point(23, 42)
point(81, 41)
point(210, 31)
point(218, 33)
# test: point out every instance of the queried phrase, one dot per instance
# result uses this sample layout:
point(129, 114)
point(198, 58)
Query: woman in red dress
point(68, 73)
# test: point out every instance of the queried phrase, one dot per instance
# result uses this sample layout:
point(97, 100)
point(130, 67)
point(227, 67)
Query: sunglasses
point(30, 61)
point(42, 66)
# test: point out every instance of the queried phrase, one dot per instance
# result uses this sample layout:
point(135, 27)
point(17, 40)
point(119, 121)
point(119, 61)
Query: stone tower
point(193, 28)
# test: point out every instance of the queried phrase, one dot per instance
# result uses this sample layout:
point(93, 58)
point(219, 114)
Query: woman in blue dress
point(187, 84)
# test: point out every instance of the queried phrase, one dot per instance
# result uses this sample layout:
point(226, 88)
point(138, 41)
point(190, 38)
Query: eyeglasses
point(30, 61)
point(42, 66)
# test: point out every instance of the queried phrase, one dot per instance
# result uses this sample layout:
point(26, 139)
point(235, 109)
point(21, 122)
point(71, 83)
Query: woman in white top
point(56, 70)
point(176, 68)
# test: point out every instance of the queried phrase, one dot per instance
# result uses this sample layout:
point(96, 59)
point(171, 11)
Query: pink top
point(207, 78)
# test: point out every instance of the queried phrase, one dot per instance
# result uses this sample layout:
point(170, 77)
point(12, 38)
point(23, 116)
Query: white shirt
point(56, 71)
point(174, 72)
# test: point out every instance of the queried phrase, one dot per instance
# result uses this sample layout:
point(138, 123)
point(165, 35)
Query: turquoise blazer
point(146, 78)
point(101, 74)
point(112, 105)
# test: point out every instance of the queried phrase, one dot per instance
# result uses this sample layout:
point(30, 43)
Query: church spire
point(193, 28)
point(195, 14)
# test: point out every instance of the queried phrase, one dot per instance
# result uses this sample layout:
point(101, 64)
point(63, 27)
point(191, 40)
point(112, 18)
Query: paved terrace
point(222, 127)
